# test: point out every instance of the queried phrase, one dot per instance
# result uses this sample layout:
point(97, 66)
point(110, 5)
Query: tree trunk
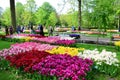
point(13, 15)
point(79, 13)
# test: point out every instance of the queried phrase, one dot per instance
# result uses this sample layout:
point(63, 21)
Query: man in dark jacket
point(41, 30)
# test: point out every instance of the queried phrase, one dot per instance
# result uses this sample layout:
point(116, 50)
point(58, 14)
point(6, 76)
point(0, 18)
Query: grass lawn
point(5, 75)
point(100, 35)
point(8, 75)
point(108, 35)
point(93, 46)
point(101, 76)
point(4, 44)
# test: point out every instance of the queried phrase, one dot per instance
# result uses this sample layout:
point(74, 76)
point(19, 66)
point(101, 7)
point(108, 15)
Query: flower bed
point(20, 37)
point(93, 32)
point(65, 42)
point(24, 35)
point(27, 31)
point(62, 29)
point(117, 44)
point(63, 37)
point(105, 61)
point(60, 62)
point(64, 67)
point(2, 36)
point(23, 47)
point(44, 39)
point(27, 59)
point(55, 40)
point(47, 39)
point(65, 50)
point(101, 57)
point(113, 31)
point(27, 56)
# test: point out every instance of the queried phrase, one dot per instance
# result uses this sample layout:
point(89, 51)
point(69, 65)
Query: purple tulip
point(64, 66)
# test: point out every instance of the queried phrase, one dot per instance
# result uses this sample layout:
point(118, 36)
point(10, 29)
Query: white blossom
point(104, 56)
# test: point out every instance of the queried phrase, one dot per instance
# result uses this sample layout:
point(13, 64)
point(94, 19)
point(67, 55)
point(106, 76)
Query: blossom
point(117, 43)
point(23, 47)
point(56, 40)
point(66, 38)
point(65, 50)
point(26, 37)
point(47, 39)
point(65, 42)
point(64, 66)
point(104, 56)
point(27, 59)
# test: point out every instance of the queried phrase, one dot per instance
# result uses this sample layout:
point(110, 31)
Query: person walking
point(79, 28)
point(18, 29)
point(11, 30)
point(41, 30)
point(50, 31)
point(73, 28)
point(6, 30)
point(22, 29)
point(32, 30)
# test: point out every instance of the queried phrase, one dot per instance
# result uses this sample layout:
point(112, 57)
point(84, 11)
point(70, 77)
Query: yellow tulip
point(65, 50)
point(117, 43)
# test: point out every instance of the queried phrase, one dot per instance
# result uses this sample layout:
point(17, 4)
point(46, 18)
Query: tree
point(117, 11)
point(30, 9)
point(19, 13)
point(79, 13)
point(69, 18)
point(87, 7)
point(43, 13)
point(1, 10)
point(6, 17)
point(73, 4)
point(13, 14)
point(118, 16)
point(63, 20)
point(53, 19)
point(30, 6)
point(101, 13)
point(26, 17)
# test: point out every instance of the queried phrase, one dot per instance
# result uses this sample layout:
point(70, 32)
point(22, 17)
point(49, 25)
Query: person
point(11, 30)
point(41, 30)
point(50, 31)
point(32, 30)
point(73, 28)
point(18, 29)
point(79, 28)
point(22, 30)
point(6, 30)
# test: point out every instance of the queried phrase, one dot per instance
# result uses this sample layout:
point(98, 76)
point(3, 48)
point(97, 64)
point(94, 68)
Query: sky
point(54, 3)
